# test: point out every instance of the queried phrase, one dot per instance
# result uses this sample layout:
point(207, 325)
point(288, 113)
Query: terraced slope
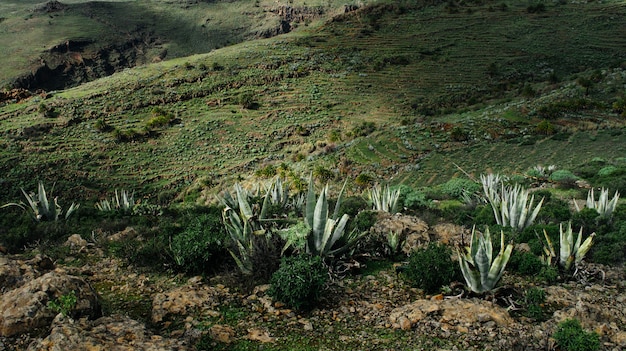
point(401, 91)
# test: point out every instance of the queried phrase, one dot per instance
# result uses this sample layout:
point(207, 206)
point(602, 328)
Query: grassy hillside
point(396, 91)
point(108, 36)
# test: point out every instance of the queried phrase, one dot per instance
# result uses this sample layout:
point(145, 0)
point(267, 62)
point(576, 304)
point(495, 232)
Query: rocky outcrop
point(415, 230)
point(289, 16)
point(181, 301)
point(114, 333)
point(458, 314)
point(13, 273)
point(26, 307)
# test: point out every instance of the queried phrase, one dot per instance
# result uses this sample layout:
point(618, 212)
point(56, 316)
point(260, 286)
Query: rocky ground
point(119, 307)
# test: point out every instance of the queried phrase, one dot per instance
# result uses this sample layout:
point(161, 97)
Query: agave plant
point(384, 199)
point(395, 240)
point(570, 251)
point(242, 224)
point(122, 201)
point(511, 206)
point(604, 206)
point(480, 270)
point(327, 235)
point(491, 185)
point(279, 193)
point(40, 208)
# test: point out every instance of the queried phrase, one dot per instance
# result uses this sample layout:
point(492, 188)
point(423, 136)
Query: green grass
point(329, 75)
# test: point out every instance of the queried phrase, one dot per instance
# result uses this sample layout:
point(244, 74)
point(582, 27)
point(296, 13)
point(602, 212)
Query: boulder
point(114, 333)
point(26, 307)
point(183, 300)
point(460, 313)
point(451, 234)
point(16, 272)
point(413, 229)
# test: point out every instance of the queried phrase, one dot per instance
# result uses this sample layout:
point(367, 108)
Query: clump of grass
point(570, 336)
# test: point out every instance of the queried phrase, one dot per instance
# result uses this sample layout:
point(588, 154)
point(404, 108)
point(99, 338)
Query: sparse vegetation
point(346, 96)
point(430, 268)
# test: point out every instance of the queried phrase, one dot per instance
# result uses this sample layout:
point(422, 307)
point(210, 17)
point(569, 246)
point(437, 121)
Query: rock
point(14, 273)
point(183, 300)
point(450, 234)
point(619, 338)
point(76, 243)
point(404, 323)
point(451, 312)
point(125, 234)
point(256, 334)
point(308, 326)
point(414, 229)
point(222, 333)
point(25, 308)
point(114, 333)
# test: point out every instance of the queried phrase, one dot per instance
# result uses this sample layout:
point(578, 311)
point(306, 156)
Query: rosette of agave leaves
point(480, 269)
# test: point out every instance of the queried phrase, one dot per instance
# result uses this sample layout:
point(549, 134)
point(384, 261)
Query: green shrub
point(570, 336)
point(432, 267)
point(525, 263)
point(553, 210)
point(619, 106)
point(536, 8)
point(364, 129)
point(588, 219)
point(559, 108)
point(247, 100)
point(64, 304)
point(483, 216)
point(610, 247)
point(323, 174)
point(363, 179)
point(413, 199)
point(545, 127)
point(534, 299)
point(268, 171)
point(607, 171)
point(563, 177)
point(299, 281)
point(353, 205)
point(456, 187)
point(459, 134)
point(548, 274)
point(201, 243)
point(102, 125)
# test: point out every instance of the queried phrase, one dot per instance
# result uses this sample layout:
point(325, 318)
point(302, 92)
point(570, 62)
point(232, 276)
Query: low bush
point(431, 268)
point(525, 263)
point(534, 299)
point(201, 244)
point(353, 205)
point(554, 210)
point(299, 281)
point(610, 247)
point(456, 187)
point(413, 199)
point(570, 336)
point(563, 177)
point(364, 129)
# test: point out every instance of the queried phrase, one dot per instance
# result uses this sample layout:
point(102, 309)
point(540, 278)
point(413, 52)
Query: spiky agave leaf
point(480, 272)
point(573, 251)
point(549, 254)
